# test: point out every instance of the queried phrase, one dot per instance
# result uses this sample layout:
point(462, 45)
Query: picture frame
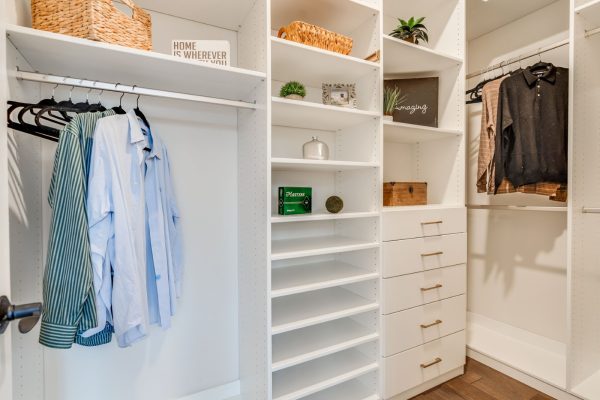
point(340, 94)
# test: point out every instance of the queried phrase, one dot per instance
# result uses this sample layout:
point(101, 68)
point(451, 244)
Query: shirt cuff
point(100, 338)
point(57, 336)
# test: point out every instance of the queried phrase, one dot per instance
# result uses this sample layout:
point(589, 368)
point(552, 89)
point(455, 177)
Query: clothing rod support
point(519, 58)
point(592, 32)
point(117, 87)
point(516, 208)
point(590, 210)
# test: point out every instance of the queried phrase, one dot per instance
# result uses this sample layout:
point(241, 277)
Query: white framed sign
point(210, 51)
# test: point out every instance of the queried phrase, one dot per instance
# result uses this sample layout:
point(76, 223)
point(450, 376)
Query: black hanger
point(119, 109)
point(56, 119)
point(45, 132)
point(139, 112)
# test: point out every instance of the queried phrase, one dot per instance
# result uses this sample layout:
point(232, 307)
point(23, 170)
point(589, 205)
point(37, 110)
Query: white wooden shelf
point(590, 388)
point(314, 376)
point(308, 309)
point(401, 57)
point(352, 390)
point(422, 208)
point(297, 164)
point(297, 347)
point(337, 16)
point(399, 132)
point(313, 66)
point(229, 14)
point(45, 51)
point(313, 246)
point(302, 278)
point(308, 115)
point(324, 216)
point(591, 12)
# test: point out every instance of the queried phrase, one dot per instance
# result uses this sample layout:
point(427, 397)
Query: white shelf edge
point(304, 323)
point(325, 164)
point(327, 53)
point(443, 132)
point(323, 251)
point(313, 105)
point(330, 382)
point(281, 219)
point(278, 366)
point(587, 6)
point(122, 49)
point(366, 5)
point(422, 208)
point(324, 285)
point(424, 49)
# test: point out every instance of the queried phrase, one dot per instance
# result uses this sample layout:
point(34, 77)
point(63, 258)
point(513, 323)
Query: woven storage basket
point(316, 36)
point(97, 20)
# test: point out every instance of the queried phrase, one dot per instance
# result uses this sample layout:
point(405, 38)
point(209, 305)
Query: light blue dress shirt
point(134, 229)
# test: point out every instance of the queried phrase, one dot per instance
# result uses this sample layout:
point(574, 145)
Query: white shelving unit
point(352, 390)
point(398, 132)
point(280, 219)
point(285, 249)
point(404, 58)
point(288, 164)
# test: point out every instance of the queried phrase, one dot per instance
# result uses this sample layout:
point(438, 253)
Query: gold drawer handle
point(427, 289)
point(437, 253)
point(437, 322)
point(432, 223)
point(431, 364)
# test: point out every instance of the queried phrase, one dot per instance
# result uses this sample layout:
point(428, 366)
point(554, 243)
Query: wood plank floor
point(481, 382)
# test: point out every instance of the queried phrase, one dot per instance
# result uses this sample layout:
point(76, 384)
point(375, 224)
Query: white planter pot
point(294, 97)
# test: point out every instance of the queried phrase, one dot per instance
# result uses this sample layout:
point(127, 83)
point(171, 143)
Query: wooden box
point(404, 194)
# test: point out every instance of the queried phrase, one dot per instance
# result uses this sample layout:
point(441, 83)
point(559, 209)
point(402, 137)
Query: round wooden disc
point(334, 204)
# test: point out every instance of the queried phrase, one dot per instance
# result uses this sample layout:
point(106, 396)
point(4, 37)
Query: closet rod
point(117, 87)
point(519, 58)
point(516, 208)
point(592, 32)
point(590, 210)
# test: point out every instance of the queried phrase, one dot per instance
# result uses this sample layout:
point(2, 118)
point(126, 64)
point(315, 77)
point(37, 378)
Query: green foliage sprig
point(412, 30)
point(392, 98)
point(292, 88)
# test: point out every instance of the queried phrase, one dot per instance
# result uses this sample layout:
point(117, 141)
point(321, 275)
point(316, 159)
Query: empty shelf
point(590, 11)
point(307, 309)
point(313, 66)
point(299, 164)
point(280, 219)
point(307, 344)
point(45, 52)
point(314, 376)
point(401, 57)
point(314, 246)
point(399, 132)
point(308, 277)
point(309, 115)
point(352, 390)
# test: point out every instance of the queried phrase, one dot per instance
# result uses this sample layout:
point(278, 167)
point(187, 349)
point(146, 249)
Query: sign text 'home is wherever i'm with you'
point(209, 51)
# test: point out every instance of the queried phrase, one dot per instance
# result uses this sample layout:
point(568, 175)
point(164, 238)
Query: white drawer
point(407, 224)
point(403, 257)
point(413, 290)
point(411, 328)
point(406, 370)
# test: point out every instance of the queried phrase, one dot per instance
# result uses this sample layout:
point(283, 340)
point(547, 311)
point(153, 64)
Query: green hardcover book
point(295, 200)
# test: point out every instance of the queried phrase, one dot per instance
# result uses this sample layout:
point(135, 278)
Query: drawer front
point(407, 291)
point(406, 370)
point(408, 256)
point(406, 224)
point(411, 328)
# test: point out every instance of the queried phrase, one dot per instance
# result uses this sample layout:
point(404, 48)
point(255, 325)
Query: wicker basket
point(316, 36)
point(97, 20)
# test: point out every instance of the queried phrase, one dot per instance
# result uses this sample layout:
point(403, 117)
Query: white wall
point(517, 260)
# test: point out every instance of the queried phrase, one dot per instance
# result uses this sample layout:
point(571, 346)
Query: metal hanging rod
point(119, 88)
point(519, 58)
point(516, 208)
point(592, 32)
point(590, 210)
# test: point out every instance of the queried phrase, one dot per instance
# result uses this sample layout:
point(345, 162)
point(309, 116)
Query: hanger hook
point(540, 54)
point(121, 100)
point(71, 92)
point(137, 101)
point(53, 89)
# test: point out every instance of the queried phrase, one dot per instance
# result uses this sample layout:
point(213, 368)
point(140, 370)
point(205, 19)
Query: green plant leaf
point(420, 20)
point(411, 21)
point(403, 22)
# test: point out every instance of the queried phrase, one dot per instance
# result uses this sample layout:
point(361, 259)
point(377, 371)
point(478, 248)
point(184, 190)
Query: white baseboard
point(429, 384)
point(222, 392)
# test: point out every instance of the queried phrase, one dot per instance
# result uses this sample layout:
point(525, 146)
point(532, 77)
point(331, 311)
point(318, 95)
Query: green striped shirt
point(69, 299)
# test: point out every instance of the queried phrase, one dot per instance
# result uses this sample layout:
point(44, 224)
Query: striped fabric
point(69, 302)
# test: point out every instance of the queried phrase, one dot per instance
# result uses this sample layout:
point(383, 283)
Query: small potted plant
point(411, 31)
point(293, 90)
point(392, 98)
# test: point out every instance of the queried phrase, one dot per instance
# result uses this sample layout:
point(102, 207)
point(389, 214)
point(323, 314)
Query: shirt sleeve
point(484, 148)
point(175, 231)
point(504, 135)
point(67, 288)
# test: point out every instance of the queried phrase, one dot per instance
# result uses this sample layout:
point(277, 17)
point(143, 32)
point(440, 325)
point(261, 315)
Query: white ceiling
point(486, 16)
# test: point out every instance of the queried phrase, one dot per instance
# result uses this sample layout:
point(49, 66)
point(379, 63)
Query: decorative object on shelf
point(392, 98)
point(295, 200)
point(375, 57)
point(209, 51)
point(421, 104)
point(340, 94)
point(315, 150)
point(97, 20)
point(404, 194)
point(313, 35)
point(293, 90)
point(334, 204)
point(411, 31)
